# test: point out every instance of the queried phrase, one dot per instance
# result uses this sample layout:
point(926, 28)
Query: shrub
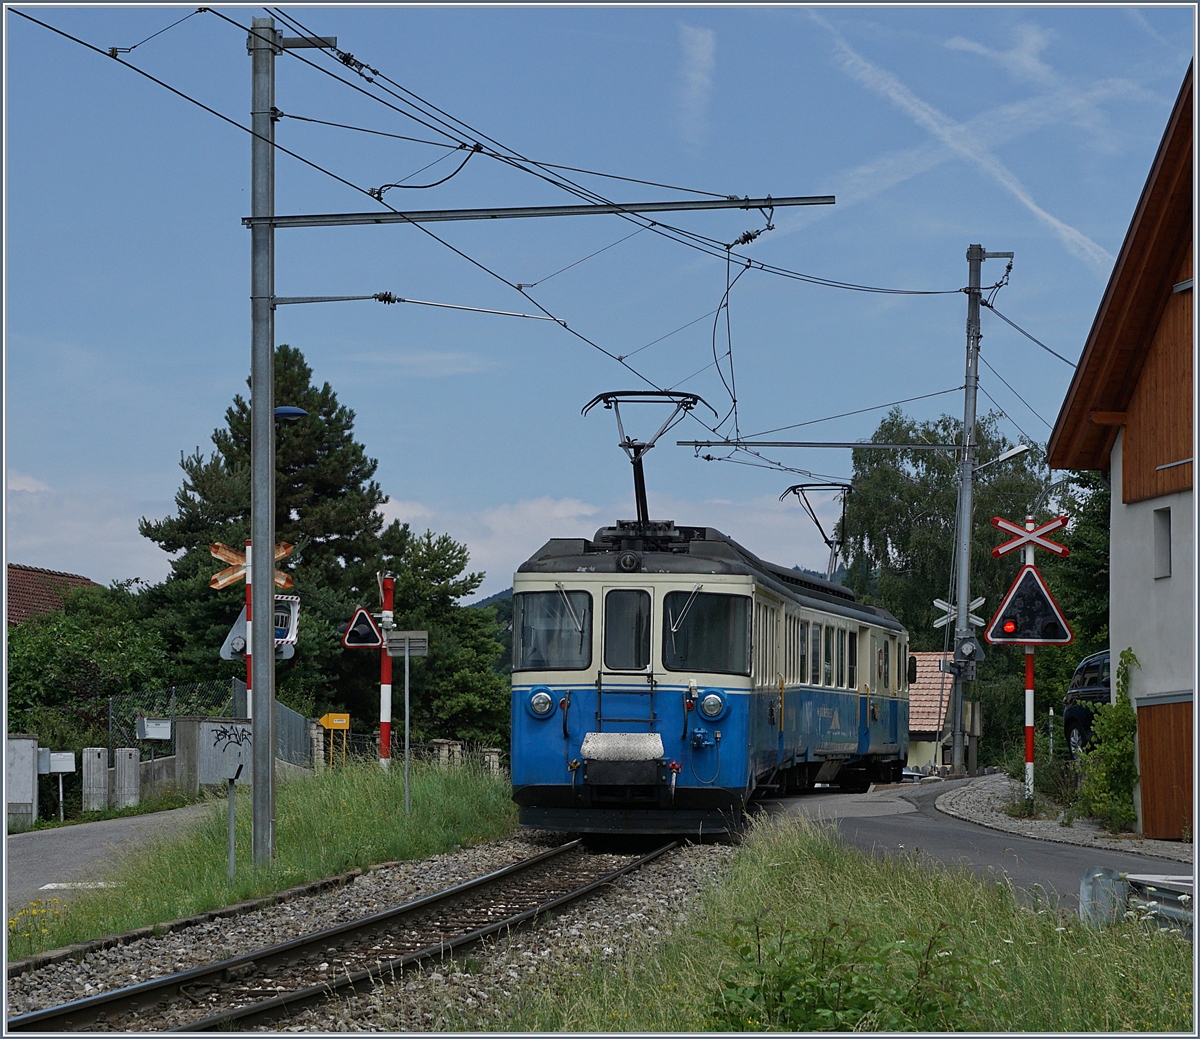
point(1108, 769)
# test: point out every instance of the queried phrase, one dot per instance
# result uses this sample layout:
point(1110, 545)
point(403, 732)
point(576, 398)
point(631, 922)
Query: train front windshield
point(552, 631)
point(703, 631)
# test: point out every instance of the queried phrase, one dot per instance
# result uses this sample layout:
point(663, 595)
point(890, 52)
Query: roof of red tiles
point(929, 695)
point(33, 590)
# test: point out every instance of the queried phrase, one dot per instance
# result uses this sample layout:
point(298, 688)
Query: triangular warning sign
point(1029, 615)
point(361, 632)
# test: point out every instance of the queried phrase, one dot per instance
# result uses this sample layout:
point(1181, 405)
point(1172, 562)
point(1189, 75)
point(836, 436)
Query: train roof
point(661, 547)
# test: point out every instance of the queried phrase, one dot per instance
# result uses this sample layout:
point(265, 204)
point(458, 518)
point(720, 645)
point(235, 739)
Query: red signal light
point(1010, 627)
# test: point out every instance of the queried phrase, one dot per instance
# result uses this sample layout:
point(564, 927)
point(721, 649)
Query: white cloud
point(695, 75)
point(428, 364)
point(16, 481)
point(95, 536)
point(1022, 60)
point(962, 140)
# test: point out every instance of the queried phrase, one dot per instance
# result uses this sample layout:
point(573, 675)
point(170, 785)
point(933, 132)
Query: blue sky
point(1028, 129)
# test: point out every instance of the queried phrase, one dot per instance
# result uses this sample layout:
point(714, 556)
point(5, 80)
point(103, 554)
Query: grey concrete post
point(127, 764)
point(317, 736)
point(95, 778)
point(491, 760)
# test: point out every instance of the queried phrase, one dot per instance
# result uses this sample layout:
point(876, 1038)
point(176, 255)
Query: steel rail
point(150, 996)
point(83, 1013)
point(281, 1006)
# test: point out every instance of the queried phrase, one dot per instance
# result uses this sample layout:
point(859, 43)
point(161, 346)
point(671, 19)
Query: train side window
point(802, 645)
point(828, 655)
point(887, 663)
point(874, 664)
point(627, 629)
point(852, 659)
point(706, 631)
point(815, 674)
point(841, 657)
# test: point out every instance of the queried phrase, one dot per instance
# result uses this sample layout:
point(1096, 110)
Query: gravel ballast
point(646, 904)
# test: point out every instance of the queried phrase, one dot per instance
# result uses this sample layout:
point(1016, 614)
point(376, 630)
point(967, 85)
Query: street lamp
point(1012, 452)
point(288, 414)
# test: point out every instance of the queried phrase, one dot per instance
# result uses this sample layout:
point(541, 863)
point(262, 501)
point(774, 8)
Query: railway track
point(273, 983)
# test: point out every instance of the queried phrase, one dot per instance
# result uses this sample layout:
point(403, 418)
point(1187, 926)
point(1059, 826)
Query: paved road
point(81, 853)
point(903, 821)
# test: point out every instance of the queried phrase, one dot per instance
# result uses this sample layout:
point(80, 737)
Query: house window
point(1162, 543)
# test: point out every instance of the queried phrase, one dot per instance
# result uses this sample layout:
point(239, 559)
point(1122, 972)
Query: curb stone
point(988, 792)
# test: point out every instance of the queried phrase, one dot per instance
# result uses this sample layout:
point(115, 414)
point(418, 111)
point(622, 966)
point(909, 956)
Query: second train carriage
point(663, 675)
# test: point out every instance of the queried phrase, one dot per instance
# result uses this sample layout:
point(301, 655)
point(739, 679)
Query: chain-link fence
point(206, 699)
point(215, 699)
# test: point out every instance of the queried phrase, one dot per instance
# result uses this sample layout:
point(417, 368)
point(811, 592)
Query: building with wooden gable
point(1129, 412)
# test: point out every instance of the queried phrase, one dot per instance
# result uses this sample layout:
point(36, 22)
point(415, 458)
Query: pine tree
point(327, 504)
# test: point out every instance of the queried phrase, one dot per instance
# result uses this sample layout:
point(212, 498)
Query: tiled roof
point(929, 695)
point(32, 590)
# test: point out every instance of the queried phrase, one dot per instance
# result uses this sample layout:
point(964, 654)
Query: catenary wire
point(365, 191)
point(694, 321)
point(378, 192)
point(1005, 413)
point(347, 183)
point(1007, 321)
point(858, 411)
point(536, 162)
point(709, 246)
point(532, 284)
point(1014, 392)
point(114, 51)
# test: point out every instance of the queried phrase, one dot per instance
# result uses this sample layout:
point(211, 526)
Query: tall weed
point(327, 824)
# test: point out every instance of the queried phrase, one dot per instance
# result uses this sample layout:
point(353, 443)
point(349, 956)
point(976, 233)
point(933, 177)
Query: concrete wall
point(1151, 615)
point(187, 755)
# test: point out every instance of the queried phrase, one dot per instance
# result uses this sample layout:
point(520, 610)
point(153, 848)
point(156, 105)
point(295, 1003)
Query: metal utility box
point(154, 728)
point(21, 772)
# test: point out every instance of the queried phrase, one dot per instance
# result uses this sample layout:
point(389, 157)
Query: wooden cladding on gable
point(1158, 425)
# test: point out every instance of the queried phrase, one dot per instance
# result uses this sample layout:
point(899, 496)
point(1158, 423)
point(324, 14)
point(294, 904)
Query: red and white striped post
point(1027, 559)
point(385, 679)
point(249, 641)
point(1029, 721)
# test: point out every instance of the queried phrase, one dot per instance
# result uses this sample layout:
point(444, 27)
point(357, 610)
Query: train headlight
point(711, 705)
point(541, 703)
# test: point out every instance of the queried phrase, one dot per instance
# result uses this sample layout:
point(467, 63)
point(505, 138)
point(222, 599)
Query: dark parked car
point(1091, 685)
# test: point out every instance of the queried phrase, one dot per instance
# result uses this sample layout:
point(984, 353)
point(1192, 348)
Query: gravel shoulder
point(643, 906)
point(982, 800)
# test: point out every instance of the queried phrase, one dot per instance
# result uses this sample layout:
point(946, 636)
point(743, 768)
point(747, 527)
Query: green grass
point(834, 939)
point(345, 819)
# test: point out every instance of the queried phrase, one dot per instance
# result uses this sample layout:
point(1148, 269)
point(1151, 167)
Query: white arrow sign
point(951, 612)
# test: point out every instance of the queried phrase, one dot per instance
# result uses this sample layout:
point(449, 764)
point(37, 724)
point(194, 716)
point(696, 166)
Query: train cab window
point(887, 662)
point(828, 655)
point(704, 631)
point(841, 657)
point(627, 630)
point(552, 631)
point(815, 676)
point(852, 659)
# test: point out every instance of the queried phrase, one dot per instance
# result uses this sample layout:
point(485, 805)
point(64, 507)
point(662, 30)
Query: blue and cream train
point(663, 676)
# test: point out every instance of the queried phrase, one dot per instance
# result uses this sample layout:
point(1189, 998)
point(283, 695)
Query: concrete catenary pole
point(263, 46)
point(962, 549)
